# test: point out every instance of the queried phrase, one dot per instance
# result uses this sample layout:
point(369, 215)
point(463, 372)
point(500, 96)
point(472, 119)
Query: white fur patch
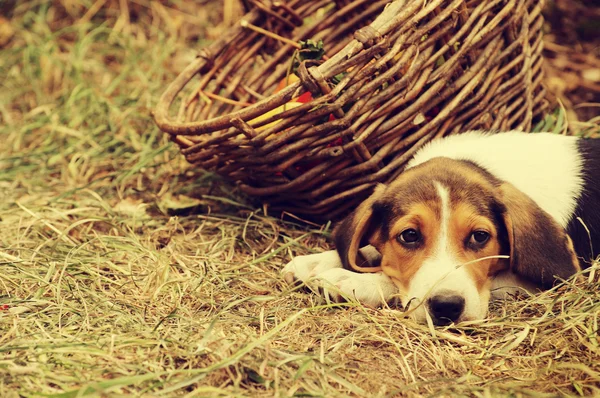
point(303, 268)
point(544, 166)
point(372, 289)
point(508, 283)
point(325, 270)
point(442, 272)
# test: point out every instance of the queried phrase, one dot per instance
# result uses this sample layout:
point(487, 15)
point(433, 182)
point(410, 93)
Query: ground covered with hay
point(123, 271)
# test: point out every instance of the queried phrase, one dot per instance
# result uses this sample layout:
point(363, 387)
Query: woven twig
point(414, 70)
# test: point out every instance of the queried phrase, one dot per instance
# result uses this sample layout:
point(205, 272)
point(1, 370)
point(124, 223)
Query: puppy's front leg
point(371, 289)
point(304, 268)
point(325, 270)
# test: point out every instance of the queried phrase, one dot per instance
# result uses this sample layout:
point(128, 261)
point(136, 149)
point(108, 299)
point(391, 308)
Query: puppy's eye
point(409, 237)
point(479, 238)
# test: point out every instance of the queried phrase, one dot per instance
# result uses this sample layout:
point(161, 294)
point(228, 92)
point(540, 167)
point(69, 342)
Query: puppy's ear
point(356, 230)
point(540, 248)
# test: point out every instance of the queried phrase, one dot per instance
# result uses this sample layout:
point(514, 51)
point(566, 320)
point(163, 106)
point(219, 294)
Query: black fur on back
point(587, 244)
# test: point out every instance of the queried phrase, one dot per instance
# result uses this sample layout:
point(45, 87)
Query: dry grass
point(114, 281)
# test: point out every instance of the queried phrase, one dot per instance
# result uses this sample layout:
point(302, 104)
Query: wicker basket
point(394, 76)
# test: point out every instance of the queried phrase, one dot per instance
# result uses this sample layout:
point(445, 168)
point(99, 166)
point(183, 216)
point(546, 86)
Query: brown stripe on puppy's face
point(468, 225)
point(402, 261)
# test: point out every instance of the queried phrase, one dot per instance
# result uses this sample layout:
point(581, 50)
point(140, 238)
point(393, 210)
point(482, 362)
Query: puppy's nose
point(446, 308)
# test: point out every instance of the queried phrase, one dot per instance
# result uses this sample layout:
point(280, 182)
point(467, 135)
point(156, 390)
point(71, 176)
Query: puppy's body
point(473, 209)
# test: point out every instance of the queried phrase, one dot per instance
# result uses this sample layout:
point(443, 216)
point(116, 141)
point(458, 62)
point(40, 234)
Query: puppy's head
point(444, 229)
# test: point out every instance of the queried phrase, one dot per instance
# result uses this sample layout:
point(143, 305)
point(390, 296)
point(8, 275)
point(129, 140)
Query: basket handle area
point(203, 61)
point(394, 14)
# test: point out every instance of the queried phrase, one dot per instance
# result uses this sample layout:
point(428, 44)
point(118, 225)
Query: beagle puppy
point(471, 214)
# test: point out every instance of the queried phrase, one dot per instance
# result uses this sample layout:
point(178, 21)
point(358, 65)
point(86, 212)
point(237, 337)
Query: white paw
point(304, 268)
point(324, 272)
point(371, 289)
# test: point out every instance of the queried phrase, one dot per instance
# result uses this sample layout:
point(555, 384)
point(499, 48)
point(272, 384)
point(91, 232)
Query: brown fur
point(464, 221)
point(540, 249)
point(400, 263)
